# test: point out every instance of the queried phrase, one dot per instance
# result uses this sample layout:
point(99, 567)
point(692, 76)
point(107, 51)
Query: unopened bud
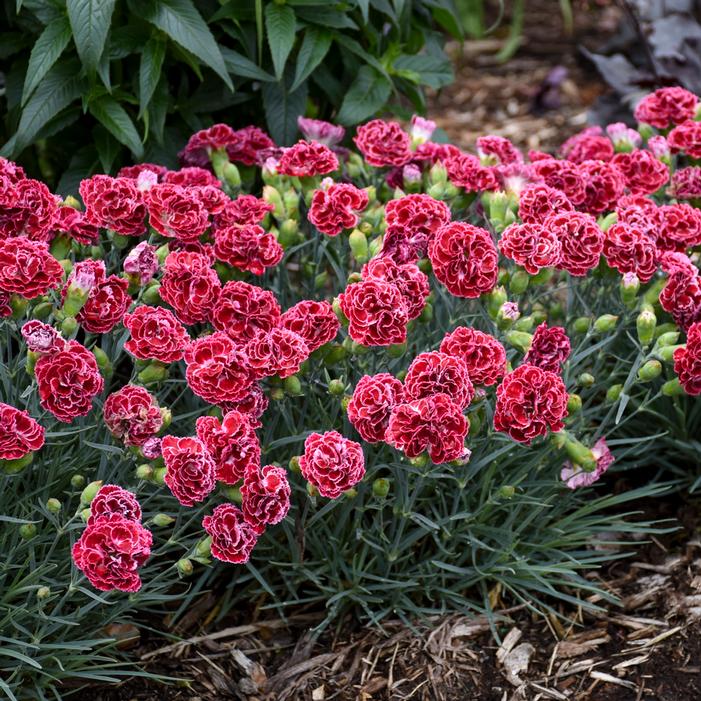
point(277, 394)
point(69, 326)
point(645, 324)
point(159, 475)
point(185, 567)
point(144, 472)
point(153, 372)
point(574, 403)
point(13, 467)
point(294, 464)
point(419, 460)
point(668, 338)
point(42, 310)
point(358, 243)
point(380, 487)
point(672, 388)
point(43, 593)
point(163, 520)
point(520, 340)
point(666, 353)
point(292, 385)
point(231, 176)
point(337, 388)
point(27, 531)
point(518, 283)
point(53, 506)
point(495, 299)
point(581, 324)
point(613, 393)
point(396, 350)
point(650, 371)
point(77, 481)
point(506, 491)
point(273, 197)
point(605, 323)
point(88, 494)
point(586, 379)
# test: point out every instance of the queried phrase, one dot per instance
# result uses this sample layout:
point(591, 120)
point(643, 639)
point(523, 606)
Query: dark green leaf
point(280, 26)
point(447, 15)
point(282, 109)
point(12, 42)
point(46, 51)
point(238, 65)
point(107, 147)
point(150, 69)
point(60, 86)
point(355, 48)
point(367, 95)
point(115, 119)
point(158, 109)
point(434, 71)
point(326, 17)
point(90, 22)
point(315, 46)
point(184, 25)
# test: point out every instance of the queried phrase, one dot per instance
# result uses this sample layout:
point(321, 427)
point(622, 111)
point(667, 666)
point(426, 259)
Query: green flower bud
point(77, 481)
point(118, 241)
point(672, 388)
point(42, 310)
point(605, 323)
point(277, 394)
point(438, 175)
point(613, 393)
point(27, 531)
point(495, 300)
point(294, 464)
point(72, 202)
point(350, 493)
point(556, 311)
point(667, 339)
point(652, 294)
point(162, 252)
point(69, 326)
point(579, 454)
point(31, 362)
point(381, 487)
point(396, 350)
point(103, 362)
point(53, 506)
point(320, 280)
point(335, 354)
point(605, 223)
point(312, 491)
point(345, 402)
point(166, 417)
point(425, 266)
point(337, 388)
point(574, 403)
point(629, 288)
point(437, 191)
point(336, 306)
point(13, 467)
point(581, 324)
point(645, 324)
point(19, 306)
point(162, 520)
point(43, 593)
point(153, 372)
point(358, 243)
point(543, 276)
point(185, 567)
point(219, 158)
point(204, 547)
point(426, 315)
point(272, 196)
point(85, 515)
point(292, 386)
point(419, 460)
point(666, 353)
point(152, 294)
point(231, 176)
point(288, 233)
point(519, 340)
point(586, 380)
point(60, 247)
point(159, 475)
point(506, 492)
point(650, 371)
point(88, 494)
point(524, 323)
point(233, 494)
point(518, 283)
point(144, 472)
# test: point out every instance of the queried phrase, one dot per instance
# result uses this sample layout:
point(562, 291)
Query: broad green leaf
point(46, 51)
point(90, 21)
point(367, 94)
point(115, 119)
point(447, 15)
point(326, 17)
point(364, 6)
point(181, 21)
point(107, 147)
point(12, 42)
point(282, 109)
point(280, 27)
point(355, 48)
point(158, 109)
point(150, 69)
point(238, 65)
point(59, 87)
point(434, 71)
point(315, 46)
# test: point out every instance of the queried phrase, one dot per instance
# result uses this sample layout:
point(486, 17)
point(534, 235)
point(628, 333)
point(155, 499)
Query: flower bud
point(103, 362)
point(358, 243)
point(650, 371)
point(77, 481)
point(277, 394)
point(13, 467)
point(380, 488)
point(337, 388)
point(506, 491)
point(312, 491)
point(153, 372)
point(419, 460)
point(288, 233)
point(162, 520)
point(294, 464)
point(292, 386)
point(350, 493)
point(53, 506)
point(574, 403)
point(204, 547)
point(42, 310)
point(334, 354)
point(336, 306)
point(666, 353)
point(672, 388)
point(669, 338)
point(159, 475)
point(144, 472)
point(85, 514)
point(581, 324)
point(31, 362)
point(19, 306)
point(586, 380)
point(495, 299)
point(438, 175)
point(613, 393)
point(508, 314)
point(152, 294)
point(218, 158)
point(69, 326)
point(273, 197)
point(518, 283)
point(88, 494)
point(524, 323)
point(605, 323)
point(185, 567)
point(520, 340)
point(231, 176)
point(396, 350)
point(27, 531)
point(60, 247)
point(629, 288)
point(645, 324)
point(605, 223)
point(43, 593)
point(345, 402)
point(233, 494)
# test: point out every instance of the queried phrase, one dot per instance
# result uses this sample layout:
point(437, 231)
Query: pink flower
point(575, 476)
point(323, 132)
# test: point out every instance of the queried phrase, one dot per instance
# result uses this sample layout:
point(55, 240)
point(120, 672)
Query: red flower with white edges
point(247, 247)
point(321, 131)
point(251, 142)
point(132, 415)
point(141, 264)
point(589, 145)
point(190, 286)
point(155, 334)
point(110, 551)
point(68, 381)
point(316, 322)
point(30, 211)
point(549, 349)
point(376, 311)
point(20, 434)
point(218, 369)
point(5, 307)
point(10, 170)
point(336, 208)
point(383, 143)
point(112, 500)
point(265, 496)
point(500, 148)
point(681, 297)
point(673, 261)
point(253, 405)
point(530, 402)
point(176, 212)
point(483, 355)
point(563, 176)
point(278, 352)
point(464, 259)
point(27, 268)
point(332, 463)
point(202, 143)
point(679, 226)
point(242, 309)
point(629, 250)
point(686, 138)
point(212, 198)
point(465, 171)
point(666, 106)
point(643, 173)
point(537, 202)
point(641, 213)
point(581, 239)
point(433, 152)
point(245, 209)
point(191, 177)
point(687, 361)
point(307, 159)
point(106, 305)
point(438, 373)
point(532, 246)
point(114, 203)
point(42, 338)
point(603, 183)
point(372, 402)
point(433, 424)
point(72, 223)
point(686, 183)
point(135, 171)
point(190, 470)
point(233, 538)
point(231, 442)
point(412, 283)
